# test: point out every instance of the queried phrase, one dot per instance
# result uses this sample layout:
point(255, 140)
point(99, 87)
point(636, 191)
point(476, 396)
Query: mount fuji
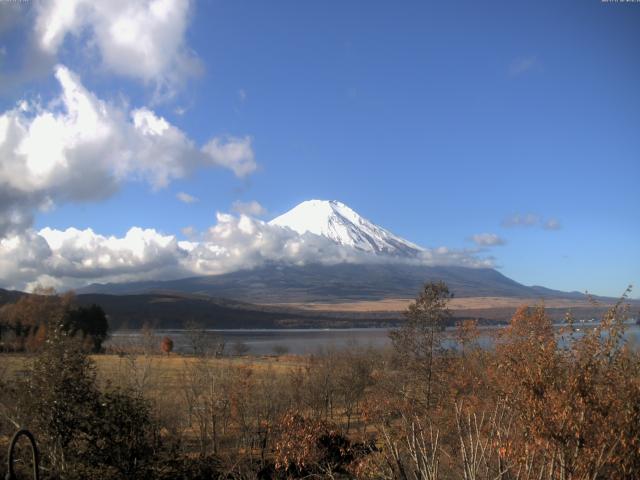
point(397, 276)
point(336, 221)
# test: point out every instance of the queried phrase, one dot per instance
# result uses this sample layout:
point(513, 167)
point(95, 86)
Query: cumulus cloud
point(186, 198)
point(487, 239)
point(81, 148)
point(22, 259)
point(143, 39)
point(253, 208)
point(85, 254)
point(243, 242)
point(75, 257)
point(72, 258)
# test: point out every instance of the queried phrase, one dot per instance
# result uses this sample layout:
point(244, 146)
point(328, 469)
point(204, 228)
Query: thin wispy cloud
point(552, 224)
point(186, 198)
point(242, 95)
point(253, 208)
point(531, 220)
point(521, 220)
point(189, 231)
point(487, 239)
point(523, 65)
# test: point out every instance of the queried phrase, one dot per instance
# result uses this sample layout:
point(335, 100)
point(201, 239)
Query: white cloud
point(233, 153)
point(144, 39)
point(81, 148)
point(487, 239)
point(253, 208)
point(22, 259)
point(72, 258)
point(186, 198)
point(83, 253)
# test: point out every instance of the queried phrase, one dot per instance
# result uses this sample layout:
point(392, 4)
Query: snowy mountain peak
point(338, 222)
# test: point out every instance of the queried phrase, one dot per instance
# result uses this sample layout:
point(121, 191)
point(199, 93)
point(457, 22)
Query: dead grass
point(111, 367)
point(456, 304)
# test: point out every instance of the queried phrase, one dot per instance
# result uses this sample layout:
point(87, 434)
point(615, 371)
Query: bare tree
point(419, 340)
point(202, 341)
point(353, 372)
point(240, 348)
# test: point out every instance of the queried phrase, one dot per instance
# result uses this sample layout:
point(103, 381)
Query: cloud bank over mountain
point(72, 258)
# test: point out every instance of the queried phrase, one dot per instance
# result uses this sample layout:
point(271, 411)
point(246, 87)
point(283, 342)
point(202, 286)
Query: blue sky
point(436, 120)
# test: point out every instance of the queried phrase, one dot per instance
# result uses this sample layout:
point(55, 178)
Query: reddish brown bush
point(166, 345)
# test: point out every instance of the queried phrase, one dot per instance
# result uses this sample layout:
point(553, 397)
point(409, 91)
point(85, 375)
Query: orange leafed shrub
point(576, 404)
point(166, 345)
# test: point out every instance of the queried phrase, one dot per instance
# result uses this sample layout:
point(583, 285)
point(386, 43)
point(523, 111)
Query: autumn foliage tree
point(27, 322)
point(576, 405)
point(546, 402)
point(311, 448)
point(166, 345)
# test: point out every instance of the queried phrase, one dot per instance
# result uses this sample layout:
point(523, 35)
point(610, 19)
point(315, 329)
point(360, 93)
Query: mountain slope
point(336, 283)
point(9, 296)
point(336, 221)
point(176, 311)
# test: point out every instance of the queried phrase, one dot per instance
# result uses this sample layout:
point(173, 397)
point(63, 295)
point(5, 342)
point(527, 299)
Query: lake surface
point(296, 341)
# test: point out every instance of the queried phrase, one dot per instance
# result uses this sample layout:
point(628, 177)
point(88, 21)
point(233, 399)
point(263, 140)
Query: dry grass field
point(161, 372)
point(456, 304)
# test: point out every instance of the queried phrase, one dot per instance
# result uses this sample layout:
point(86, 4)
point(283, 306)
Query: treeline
point(26, 323)
point(542, 404)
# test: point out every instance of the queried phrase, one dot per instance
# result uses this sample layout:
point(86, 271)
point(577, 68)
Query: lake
point(297, 341)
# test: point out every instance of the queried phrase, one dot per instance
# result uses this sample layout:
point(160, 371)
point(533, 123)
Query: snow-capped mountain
point(277, 281)
point(338, 222)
